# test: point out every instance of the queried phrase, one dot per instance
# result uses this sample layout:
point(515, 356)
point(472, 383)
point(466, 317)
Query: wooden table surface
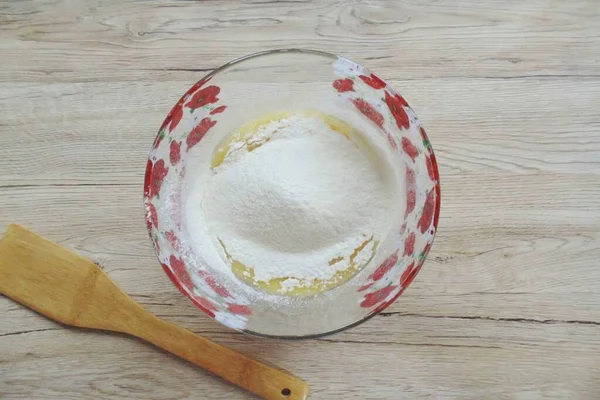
point(508, 304)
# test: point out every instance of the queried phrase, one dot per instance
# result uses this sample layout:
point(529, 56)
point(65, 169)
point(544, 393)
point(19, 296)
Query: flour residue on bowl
point(296, 202)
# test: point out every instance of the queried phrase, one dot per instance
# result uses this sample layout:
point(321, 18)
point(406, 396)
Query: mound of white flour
point(306, 196)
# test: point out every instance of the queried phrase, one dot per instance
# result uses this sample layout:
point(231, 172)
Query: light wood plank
point(508, 304)
point(117, 368)
point(107, 41)
point(89, 133)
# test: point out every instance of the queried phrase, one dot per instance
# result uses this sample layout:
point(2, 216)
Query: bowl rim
point(175, 280)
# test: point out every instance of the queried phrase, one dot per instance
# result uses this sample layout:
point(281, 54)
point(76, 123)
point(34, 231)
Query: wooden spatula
point(72, 290)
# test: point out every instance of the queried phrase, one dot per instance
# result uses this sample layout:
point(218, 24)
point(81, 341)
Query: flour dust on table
point(297, 202)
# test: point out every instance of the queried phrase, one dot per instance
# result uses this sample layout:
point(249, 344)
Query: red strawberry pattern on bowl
point(167, 159)
point(239, 91)
point(390, 112)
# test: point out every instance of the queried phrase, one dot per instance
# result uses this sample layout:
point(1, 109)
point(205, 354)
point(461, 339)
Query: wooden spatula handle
point(73, 290)
point(258, 378)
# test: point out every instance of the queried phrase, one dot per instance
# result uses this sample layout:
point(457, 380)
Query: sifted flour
point(296, 204)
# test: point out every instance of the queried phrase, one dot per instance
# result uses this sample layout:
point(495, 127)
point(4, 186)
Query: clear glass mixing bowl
point(290, 79)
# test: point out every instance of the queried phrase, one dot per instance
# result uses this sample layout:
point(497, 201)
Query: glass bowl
point(258, 84)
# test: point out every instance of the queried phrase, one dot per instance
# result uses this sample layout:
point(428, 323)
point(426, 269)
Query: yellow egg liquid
point(246, 134)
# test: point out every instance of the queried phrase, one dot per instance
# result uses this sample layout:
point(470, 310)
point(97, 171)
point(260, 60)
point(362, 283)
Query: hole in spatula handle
point(286, 392)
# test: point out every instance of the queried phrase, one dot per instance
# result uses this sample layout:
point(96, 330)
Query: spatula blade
point(45, 276)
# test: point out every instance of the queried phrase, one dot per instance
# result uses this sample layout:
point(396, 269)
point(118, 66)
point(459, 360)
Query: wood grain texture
point(508, 304)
